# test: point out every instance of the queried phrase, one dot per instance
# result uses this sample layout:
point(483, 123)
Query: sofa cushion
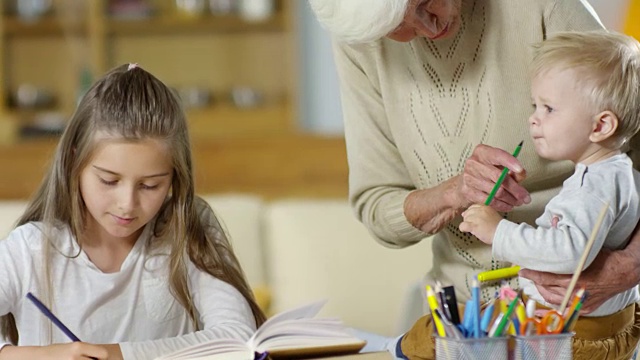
point(241, 216)
point(317, 249)
point(10, 212)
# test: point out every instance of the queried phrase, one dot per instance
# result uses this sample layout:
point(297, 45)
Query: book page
point(207, 350)
point(304, 312)
point(235, 355)
point(306, 334)
point(291, 333)
point(304, 328)
point(299, 333)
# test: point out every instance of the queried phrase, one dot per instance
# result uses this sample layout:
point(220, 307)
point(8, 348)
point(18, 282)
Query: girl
point(116, 242)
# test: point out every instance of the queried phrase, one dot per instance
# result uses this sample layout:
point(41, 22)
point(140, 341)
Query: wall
point(611, 12)
point(320, 110)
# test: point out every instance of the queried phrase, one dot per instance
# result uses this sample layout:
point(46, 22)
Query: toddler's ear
point(604, 126)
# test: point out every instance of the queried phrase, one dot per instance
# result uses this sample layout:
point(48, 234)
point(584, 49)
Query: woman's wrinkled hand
point(431, 209)
point(609, 274)
point(482, 170)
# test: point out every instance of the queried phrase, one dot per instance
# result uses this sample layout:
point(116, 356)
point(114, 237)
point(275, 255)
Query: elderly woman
point(435, 95)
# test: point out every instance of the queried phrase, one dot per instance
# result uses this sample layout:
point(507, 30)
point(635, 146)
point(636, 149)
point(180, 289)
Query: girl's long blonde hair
point(131, 103)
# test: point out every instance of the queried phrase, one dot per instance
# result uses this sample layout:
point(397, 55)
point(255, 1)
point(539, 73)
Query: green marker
point(503, 175)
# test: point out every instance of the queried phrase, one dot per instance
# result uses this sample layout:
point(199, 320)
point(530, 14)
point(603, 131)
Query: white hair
point(359, 21)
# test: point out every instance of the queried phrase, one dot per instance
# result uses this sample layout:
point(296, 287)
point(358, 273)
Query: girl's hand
point(481, 221)
point(482, 170)
point(70, 351)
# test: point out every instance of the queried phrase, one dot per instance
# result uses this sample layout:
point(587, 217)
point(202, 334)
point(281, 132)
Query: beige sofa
point(300, 250)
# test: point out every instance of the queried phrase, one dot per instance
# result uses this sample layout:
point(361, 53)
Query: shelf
point(205, 24)
point(31, 123)
point(14, 26)
point(278, 166)
point(219, 121)
point(50, 25)
point(224, 121)
point(234, 149)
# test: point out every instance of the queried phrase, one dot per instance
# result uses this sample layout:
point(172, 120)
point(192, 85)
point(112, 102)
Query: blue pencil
point(52, 317)
point(475, 296)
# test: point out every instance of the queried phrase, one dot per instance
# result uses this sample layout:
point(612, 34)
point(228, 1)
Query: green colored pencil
point(507, 315)
point(503, 175)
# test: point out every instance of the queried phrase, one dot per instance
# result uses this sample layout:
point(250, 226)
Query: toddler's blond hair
point(608, 68)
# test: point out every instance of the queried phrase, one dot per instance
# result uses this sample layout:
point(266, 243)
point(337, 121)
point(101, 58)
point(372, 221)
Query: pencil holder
point(486, 348)
point(539, 347)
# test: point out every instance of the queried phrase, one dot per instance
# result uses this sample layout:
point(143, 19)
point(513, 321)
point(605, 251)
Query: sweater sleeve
point(554, 249)
point(378, 179)
point(223, 313)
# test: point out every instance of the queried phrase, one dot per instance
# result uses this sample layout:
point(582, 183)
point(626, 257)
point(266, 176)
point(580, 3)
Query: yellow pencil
point(574, 303)
point(521, 313)
point(499, 273)
point(433, 305)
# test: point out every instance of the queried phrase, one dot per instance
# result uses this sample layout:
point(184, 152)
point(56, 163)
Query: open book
point(291, 334)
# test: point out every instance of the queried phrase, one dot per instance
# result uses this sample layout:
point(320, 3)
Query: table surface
point(366, 356)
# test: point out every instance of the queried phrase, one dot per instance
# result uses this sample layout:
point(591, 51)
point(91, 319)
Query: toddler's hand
point(481, 221)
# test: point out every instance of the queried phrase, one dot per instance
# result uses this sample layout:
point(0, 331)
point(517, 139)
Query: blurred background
point(256, 77)
point(258, 82)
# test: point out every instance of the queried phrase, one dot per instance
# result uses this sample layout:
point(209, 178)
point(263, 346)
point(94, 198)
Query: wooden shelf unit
point(47, 26)
point(255, 150)
point(272, 167)
point(210, 24)
point(216, 53)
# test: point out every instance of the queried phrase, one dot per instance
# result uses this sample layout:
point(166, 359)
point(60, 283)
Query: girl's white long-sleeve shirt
point(132, 307)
